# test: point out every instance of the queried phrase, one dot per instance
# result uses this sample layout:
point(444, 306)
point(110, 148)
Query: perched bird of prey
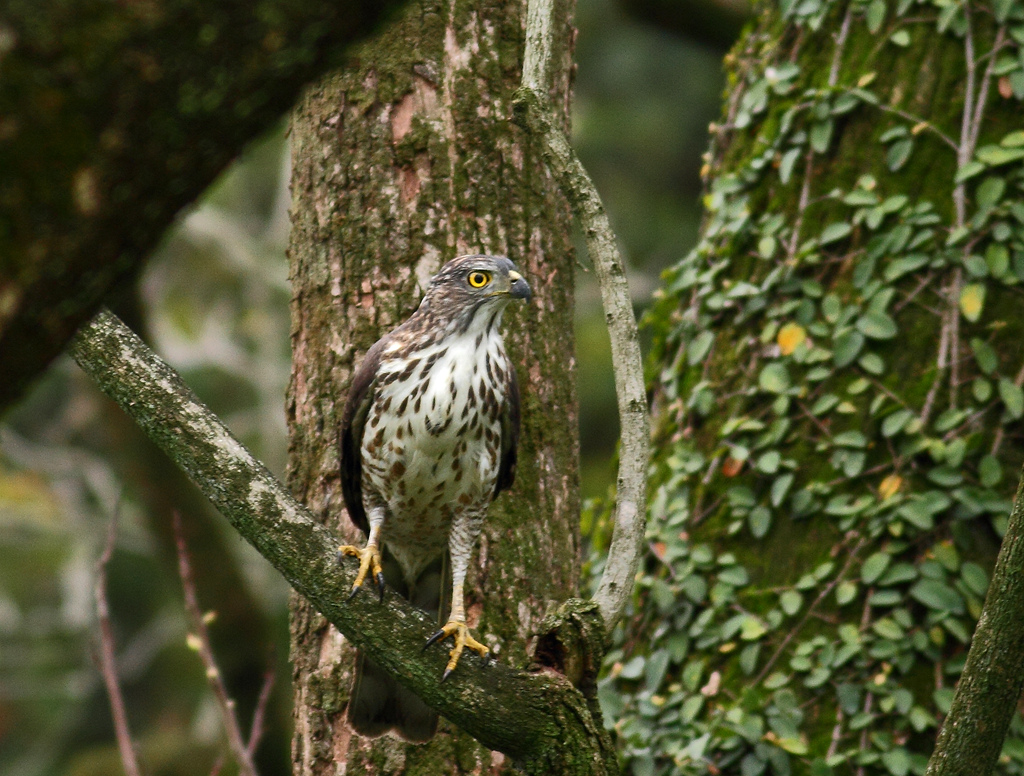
point(428, 440)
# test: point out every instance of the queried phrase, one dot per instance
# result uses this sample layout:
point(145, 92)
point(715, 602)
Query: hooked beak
point(518, 287)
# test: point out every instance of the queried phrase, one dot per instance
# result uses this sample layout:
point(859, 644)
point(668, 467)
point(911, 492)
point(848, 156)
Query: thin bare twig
point(201, 642)
point(256, 731)
point(532, 108)
point(108, 663)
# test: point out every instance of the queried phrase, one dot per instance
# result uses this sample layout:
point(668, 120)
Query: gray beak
point(518, 287)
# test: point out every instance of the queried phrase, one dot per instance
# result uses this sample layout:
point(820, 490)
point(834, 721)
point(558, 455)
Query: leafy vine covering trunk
point(840, 398)
point(401, 162)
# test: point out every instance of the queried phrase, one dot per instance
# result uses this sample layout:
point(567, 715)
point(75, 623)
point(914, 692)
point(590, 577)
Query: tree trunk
point(403, 161)
point(840, 396)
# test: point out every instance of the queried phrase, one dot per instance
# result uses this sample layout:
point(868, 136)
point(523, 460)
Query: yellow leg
point(456, 627)
point(369, 563)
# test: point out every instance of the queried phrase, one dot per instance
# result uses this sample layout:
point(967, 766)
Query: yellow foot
point(369, 560)
point(463, 639)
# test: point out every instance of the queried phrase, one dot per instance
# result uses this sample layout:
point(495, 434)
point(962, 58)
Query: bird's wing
point(353, 420)
point(509, 432)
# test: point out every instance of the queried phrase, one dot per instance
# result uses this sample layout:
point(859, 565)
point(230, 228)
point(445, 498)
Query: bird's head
point(475, 289)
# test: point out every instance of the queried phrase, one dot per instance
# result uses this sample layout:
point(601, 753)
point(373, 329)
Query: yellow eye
point(479, 279)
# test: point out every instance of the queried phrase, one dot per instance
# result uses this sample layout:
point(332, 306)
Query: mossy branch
point(538, 719)
point(533, 111)
point(115, 116)
point(990, 686)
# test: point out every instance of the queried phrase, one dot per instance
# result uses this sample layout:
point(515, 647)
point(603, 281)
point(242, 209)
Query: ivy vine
point(794, 407)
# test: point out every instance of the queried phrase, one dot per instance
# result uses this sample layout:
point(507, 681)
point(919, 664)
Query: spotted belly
point(431, 449)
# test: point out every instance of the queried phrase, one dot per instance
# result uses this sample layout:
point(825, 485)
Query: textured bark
point(987, 693)
point(401, 163)
point(117, 115)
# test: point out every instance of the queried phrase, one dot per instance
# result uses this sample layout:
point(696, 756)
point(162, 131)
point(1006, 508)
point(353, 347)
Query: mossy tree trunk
point(839, 403)
point(403, 161)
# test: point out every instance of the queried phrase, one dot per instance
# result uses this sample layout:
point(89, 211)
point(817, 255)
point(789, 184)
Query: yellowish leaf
point(890, 486)
point(972, 299)
point(790, 336)
point(865, 79)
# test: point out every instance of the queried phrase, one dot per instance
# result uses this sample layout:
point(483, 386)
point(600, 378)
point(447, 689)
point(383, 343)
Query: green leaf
point(850, 439)
point(894, 423)
point(780, 488)
point(791, 601)
point(888, 628)
point(877, 326)
point(699, 347)
point(1012, 397)
point(898, 153)
point(874, 566)
point(734, 575)
point(872, 363)
point(821, 135)
point(875, 15)
point(985, 355)
point(998, 260)
point(968, 171)
point(994, 155)
point(897, 761)
point(769, 462)
point(974, 577)
point(989, 192)
point(901, 38)
point(899, 267)
point(990, 471)
point(786, 164)
point(1013, 140)
point(938, 596)
point(833, 232)
point(752, 628)
point(846, 592)
point(759, 520)
point(860, 197)
point(774, 378)
point(847, 347)
point(634, 668)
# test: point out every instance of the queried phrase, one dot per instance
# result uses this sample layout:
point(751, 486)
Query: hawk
point(428, 439)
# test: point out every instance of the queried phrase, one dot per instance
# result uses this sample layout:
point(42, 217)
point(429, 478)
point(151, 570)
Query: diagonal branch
point(540, 720)
point(533, 111)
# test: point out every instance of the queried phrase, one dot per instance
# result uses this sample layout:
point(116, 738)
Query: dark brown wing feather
point(353, 421)
point(509, 433)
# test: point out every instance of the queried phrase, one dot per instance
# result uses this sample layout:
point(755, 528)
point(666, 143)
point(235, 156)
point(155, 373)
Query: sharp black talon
point(380, 585)
point(487, 659)
point(446, 674)
point(353, 593)
point(434, 639)
point(338, 556)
